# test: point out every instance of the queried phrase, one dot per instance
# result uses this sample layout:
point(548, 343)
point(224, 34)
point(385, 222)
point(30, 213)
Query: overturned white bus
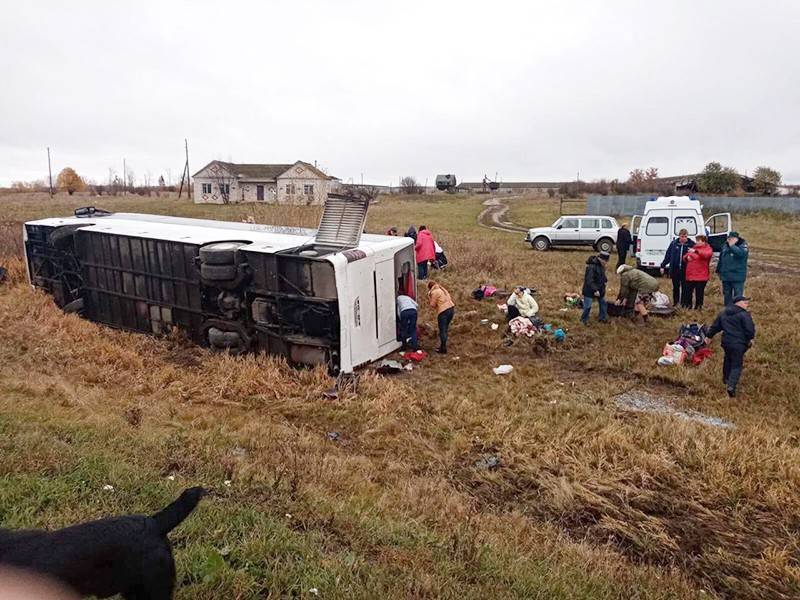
point(315, 297)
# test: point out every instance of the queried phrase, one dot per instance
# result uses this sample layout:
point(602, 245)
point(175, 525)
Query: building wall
point(246, 191)
point(206, 176)
point(249, 191)
point(215, 197)
point(300, 176)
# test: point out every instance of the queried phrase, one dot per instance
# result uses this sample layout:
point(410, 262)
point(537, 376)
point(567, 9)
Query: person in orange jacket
point(439, 299)
point(425, 250)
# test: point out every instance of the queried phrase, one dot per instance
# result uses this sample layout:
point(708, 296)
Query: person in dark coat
point(624, 242)
point(732, 266)
point(738, 331)
point(594, 286)
point(673, 261)
point(412, 232)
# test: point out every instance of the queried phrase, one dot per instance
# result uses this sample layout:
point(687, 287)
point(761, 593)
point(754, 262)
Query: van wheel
point(541, 244)
point(605, 245)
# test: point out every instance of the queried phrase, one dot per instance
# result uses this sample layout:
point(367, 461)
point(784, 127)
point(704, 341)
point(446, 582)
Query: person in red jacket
point(425, 251)
point(698, 259)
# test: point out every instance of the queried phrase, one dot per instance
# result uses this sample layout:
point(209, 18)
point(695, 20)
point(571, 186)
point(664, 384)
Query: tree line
point(69, 181)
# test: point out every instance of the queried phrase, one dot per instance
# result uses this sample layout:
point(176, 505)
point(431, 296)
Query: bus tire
point(218, 272)
point(63, 237)
point(220, 253)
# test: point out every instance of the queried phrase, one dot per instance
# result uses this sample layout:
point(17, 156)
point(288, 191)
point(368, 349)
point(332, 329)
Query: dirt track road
point(492, 216)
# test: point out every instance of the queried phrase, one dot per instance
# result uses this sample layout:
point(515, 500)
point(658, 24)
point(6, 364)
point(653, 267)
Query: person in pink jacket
point(697, 259)
point(425, 251)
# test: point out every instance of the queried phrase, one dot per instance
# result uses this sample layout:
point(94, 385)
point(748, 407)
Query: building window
point(308, 189)
point(259, 192)
point(224, 189)
point(206, 188)
point(290, 189)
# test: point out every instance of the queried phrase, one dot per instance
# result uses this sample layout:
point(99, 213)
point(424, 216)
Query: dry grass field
point(589, 501)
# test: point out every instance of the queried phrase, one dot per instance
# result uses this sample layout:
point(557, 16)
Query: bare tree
point(409, 185)
point(130, 179)
point(222, 178)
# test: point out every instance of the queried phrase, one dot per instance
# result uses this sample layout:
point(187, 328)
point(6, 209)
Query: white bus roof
point(265, 238)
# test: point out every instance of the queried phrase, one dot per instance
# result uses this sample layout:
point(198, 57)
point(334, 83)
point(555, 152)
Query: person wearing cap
point(738, 331)
point(594, 286)
point(391, 231)
point(732, 266)
point(624, 242)
point(673, 260)
point(439, 299)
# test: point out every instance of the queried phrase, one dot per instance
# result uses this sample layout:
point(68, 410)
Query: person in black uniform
point(738, 331)
point(624, 242)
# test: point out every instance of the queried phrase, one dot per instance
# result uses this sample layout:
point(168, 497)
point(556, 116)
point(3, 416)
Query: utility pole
point(124, 178)
point(50, 172)
point(188, 180)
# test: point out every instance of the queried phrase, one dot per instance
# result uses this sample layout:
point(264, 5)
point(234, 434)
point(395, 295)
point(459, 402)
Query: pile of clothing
point(659, 304)
point(485, 291)
point(690, 345)
point(528, 327)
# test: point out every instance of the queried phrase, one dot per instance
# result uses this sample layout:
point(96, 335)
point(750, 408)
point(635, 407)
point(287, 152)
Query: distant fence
point(634, 205)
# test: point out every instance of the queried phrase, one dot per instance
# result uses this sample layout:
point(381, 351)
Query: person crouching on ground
point(521, 304)
point(738, 331)
point(439, 300)
point(425, 251)
point(594, 287)
point(407, 310)
point(635, 288)
point(697, 261)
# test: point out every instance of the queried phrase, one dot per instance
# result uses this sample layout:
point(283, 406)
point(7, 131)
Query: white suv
point(576, 230)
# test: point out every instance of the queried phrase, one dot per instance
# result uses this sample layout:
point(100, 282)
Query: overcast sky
point(531, 90)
